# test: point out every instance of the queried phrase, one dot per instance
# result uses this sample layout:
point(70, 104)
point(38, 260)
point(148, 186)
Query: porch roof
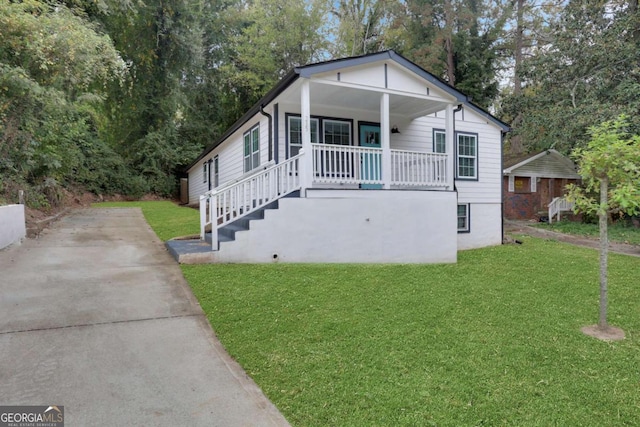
point(307, 71)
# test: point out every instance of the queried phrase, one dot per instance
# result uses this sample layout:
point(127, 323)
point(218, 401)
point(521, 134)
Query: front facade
point(533, 181)
point(380, 160)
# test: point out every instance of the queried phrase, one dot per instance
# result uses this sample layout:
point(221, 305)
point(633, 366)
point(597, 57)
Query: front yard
point(492, 340)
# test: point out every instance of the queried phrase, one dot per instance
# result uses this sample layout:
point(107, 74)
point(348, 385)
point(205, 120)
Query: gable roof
point(307, 71)
point(566, 165)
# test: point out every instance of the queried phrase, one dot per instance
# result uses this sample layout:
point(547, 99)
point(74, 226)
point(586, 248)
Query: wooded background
point(117, 96)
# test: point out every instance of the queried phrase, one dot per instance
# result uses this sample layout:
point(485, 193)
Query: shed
point(532, 181)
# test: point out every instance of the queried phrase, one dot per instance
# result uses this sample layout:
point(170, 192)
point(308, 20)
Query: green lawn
point(621, 233)
point(167, 219)
point(493, 340)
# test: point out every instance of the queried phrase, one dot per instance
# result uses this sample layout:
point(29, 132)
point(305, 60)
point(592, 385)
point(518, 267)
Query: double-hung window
point(337, 132)
point(216, 171)
point(252, 148)
point(463, 219)
point(204, 172)
point(467, 155)
point(295, 134)
point(439, 141)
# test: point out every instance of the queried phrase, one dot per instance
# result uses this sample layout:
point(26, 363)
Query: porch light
point(395, 129)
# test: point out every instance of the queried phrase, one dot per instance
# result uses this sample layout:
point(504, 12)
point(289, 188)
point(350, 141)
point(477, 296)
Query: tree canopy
point(117, 96)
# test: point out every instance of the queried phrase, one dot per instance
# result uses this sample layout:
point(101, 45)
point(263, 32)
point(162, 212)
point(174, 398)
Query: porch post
point(451, 148)
point(385, 142)
point(306, 162)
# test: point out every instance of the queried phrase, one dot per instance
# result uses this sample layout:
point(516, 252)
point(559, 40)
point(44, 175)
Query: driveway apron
point(96, 316)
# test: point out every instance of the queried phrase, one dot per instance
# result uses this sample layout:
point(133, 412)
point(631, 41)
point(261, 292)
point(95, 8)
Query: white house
point(363, 159)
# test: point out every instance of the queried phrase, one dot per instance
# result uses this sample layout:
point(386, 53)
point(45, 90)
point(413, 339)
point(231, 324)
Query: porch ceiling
point(366, 100)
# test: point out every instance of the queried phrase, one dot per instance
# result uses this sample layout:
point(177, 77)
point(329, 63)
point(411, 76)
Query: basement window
point(463, 219)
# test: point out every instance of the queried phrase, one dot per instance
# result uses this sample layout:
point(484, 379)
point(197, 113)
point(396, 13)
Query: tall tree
point(272, 38)
point(609, 165)
point(524, 32)
point(54, 66)
point(161, 41)
point(588, 72)
point(360, 26)
point(454, 39)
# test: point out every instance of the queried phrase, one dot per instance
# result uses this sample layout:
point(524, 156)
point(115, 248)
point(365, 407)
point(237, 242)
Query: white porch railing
point(231, 202)
point(345, 164)
point(559, 205)
point(410, 168)
point(332, 164)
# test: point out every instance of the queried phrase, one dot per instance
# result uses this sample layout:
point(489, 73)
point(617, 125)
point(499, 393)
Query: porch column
point(385, 141)
point(451, 147)
point(306, 162)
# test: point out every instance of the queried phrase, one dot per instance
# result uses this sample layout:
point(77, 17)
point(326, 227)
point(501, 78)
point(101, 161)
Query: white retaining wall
point(12, 225)
point(335, 226)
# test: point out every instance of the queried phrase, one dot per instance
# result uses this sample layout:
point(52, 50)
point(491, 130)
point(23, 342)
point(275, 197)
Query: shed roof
point(548, 163)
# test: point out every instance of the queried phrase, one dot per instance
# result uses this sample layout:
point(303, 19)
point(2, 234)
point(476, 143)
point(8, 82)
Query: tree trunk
point(448, 43)
point(517, 83)
point(604, 248)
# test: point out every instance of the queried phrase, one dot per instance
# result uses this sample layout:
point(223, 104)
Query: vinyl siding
point(231, 158)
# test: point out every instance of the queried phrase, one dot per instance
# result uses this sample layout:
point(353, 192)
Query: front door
point(371, 164)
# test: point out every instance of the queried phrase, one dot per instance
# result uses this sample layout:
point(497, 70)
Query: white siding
point(401, 79)
point(418, 135)
point(397, 78)
point(367, 76)
point(231, 158)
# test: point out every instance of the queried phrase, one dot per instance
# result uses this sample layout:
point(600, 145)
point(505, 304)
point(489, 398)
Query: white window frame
point(251, 158)
point(474, 157)
point(204, 172)
point(437, 132)
point(342, 122)
point(314, 135)
point(467, 218)
point(216, 171)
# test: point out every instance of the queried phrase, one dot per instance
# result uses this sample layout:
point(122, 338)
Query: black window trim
point(321, 120)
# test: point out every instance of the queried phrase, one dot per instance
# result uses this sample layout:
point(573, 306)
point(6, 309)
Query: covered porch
point(377, 155)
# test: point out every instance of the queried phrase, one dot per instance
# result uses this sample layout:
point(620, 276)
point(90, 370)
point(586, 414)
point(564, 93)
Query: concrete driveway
point(96, 316)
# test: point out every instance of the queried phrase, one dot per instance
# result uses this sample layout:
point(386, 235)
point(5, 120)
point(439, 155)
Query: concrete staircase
point(194, 250)
point(228, 232)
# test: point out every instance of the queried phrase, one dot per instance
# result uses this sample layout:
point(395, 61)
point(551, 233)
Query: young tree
point(610, 166)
